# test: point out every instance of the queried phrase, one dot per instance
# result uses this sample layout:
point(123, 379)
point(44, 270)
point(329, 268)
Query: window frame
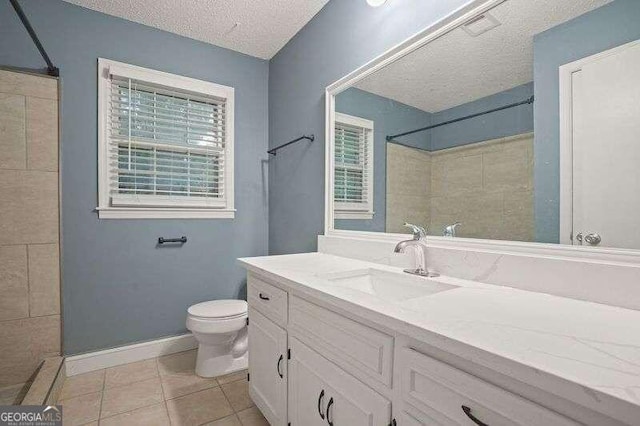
point(174, 209)
point(355, 211)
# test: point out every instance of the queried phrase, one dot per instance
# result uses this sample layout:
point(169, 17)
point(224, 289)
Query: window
point(165, 145)
point(353, 170)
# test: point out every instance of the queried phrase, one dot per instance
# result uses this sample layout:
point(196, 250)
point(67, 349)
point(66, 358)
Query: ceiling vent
point(480, 25)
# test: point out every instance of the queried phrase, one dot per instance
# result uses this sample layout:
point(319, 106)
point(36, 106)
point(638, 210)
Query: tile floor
point(160, 391)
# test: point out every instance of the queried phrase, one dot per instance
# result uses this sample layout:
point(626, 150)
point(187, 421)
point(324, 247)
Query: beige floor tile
point(12, 132)
point(130, 373)
point(252, 417)
point(198, 408)
point(14, 287)
point(180, 363)
point(238, 394)
point(227, 421)
point(82, 384)
point(42, 134)
point(233, 377)
point(81, 409)
point(44, 279)
point(153, 415)
point(129, 397)
point(181, 384)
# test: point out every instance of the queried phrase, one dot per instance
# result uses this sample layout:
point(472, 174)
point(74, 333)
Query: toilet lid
point(219, 309)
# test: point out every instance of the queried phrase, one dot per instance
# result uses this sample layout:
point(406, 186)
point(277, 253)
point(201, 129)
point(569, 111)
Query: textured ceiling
point(255, 27)
point(459, 68)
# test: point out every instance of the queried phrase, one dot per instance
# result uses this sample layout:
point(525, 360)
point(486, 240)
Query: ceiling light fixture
point(376, 3)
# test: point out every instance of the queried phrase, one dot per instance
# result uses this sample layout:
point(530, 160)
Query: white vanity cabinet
point(310, 365)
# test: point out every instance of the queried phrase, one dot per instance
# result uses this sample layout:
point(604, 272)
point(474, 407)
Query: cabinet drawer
point(358, 349)
point(441, 390)
point(267, 299)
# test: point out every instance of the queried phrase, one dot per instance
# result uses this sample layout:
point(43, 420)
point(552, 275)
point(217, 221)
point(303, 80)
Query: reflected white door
point(606, 149)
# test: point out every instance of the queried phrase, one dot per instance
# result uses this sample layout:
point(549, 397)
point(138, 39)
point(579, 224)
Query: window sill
point(164, 213)
point(353, 215)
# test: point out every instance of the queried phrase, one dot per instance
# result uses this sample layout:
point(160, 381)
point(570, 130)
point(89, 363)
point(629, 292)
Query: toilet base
point(214, 366)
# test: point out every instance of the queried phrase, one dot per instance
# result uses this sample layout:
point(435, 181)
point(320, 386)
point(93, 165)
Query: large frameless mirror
point(521, 124)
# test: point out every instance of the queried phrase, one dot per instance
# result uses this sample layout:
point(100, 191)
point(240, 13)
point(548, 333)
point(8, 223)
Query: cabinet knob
point(263, 297)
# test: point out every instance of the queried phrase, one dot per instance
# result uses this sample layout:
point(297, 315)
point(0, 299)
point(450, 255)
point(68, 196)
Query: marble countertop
point(585, 352)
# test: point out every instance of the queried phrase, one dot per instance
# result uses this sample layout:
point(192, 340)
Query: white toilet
point(220, 327)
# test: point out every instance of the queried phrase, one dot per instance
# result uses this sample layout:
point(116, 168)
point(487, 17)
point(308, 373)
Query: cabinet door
point(345, 402)
point(268, 368)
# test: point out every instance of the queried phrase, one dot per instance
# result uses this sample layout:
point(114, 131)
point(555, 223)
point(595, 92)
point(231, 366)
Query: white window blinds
point(165, 147)
point(353, 169)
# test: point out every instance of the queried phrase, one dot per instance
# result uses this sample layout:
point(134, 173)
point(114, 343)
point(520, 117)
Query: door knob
point(593, 239)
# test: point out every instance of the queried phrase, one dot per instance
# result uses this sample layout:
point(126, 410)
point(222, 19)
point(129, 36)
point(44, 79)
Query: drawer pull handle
point(278, 366)
point(320, 404)
point(263, 297)
point(473, 418)
point(329, 408)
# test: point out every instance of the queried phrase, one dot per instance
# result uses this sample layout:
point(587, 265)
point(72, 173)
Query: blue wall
point(117, 286)
point(344, 35)
point(604, 28)
point(496, 125)
point(389, 117)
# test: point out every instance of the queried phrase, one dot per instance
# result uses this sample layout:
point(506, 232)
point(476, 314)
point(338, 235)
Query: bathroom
point(341, 212)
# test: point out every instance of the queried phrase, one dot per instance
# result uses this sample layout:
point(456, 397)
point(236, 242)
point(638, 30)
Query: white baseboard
point(93, 361)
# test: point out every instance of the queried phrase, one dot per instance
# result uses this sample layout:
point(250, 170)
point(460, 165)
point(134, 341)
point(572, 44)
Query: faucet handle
point(450, 230)
point(418, 231)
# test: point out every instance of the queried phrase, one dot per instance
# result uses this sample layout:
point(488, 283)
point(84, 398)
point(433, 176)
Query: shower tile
point(28, 85)
point(29, 211)
point(44, 280)
point(12, 132)
point(25, 343)
point(42, 134)
point(14, 290)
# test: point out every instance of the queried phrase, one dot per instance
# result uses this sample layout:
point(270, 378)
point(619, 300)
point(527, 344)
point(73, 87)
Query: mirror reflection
point(519, 125)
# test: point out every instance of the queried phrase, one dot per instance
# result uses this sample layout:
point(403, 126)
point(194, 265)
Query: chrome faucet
point(450, 231)
point(419, 233)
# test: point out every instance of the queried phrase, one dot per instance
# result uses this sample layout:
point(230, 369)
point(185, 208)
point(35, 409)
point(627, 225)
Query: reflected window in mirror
point(353, 167)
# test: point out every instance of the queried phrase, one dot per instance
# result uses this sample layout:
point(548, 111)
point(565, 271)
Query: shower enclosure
point(29, 229)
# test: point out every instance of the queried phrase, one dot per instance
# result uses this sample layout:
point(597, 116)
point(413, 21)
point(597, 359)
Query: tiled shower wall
point(29, 224)
point(487, 186)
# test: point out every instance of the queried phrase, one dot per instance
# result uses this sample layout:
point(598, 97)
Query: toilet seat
point(217, 316)
point(218, 310)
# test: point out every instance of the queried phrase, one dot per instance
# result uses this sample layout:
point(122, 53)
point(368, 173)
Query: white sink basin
point(390, 286)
